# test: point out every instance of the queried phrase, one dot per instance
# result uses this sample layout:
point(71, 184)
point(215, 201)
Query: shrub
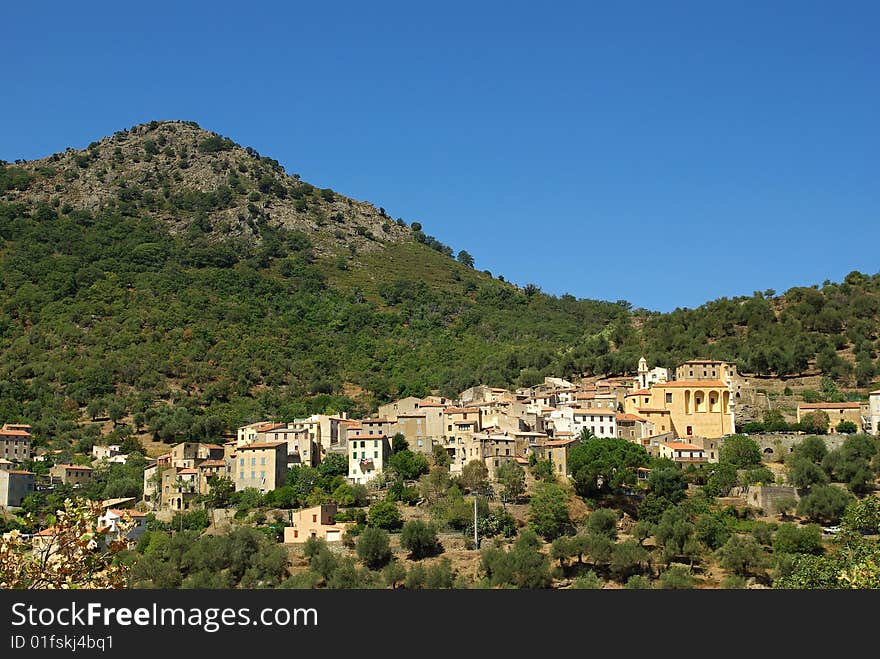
point(676, 577)
point(373, 547)
point(588, 581)
point(384, 515)
point(419, 538)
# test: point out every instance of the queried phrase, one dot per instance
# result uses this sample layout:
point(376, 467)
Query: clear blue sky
point(666, 153)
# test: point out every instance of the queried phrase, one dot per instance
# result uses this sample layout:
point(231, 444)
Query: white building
point(602, 422)
point(647, 378)
point(109, 520)
point(105, 452)
point(873, 425)
point(367, 455)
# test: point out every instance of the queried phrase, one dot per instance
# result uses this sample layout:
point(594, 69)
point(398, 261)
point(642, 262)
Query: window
point(314, 518)
point(601, 430)
point(253, 475)
point(295, 533)
point(375, 443)
point(668, 397)
point(262, 475)
point(354, 456)
point(690, 430)
point(449, 428)
point(242, 462)
point(363, 443)
point(376, 454)
point(263, 461)
point(496, 463)
point(507, 451)
point(647, 400)
point(692, 374)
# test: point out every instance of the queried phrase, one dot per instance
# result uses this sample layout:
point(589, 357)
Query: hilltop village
point(559, 445)
point(682, 414)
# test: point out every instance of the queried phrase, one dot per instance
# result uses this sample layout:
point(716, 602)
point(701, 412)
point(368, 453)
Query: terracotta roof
point(630, 417)
point(14, 433)
point(45, 532)
point(410, 416)
point(20, 472)
point(213, 446)
point(261, 445)
point(638, 392)
point(682, 446)
point(829, 406)
point(560, 442)
point(691, 383)
point(379, 436)
point(377, 420)
point(457, 410)
point(521, 460)
point(188, 470)
point(76, 467)
point(423, 403)
point(212, 463)
point(269, 426)
point(133, 513)
point(564, 433)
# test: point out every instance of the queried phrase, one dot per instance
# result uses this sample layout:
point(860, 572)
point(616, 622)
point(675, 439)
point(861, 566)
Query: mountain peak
point(186, 176)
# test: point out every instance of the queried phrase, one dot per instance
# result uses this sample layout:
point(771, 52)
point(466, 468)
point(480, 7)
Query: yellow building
point(713, 369)
point(315, 522)
point(696, 408)
point(836, 412)
point(262, 465)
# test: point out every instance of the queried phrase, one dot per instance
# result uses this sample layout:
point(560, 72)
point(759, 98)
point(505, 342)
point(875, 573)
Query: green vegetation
point(106, 301)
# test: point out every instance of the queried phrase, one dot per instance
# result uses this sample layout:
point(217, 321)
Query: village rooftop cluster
point(683, 415)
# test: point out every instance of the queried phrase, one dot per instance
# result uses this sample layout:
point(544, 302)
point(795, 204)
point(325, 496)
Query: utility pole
point(476, 539)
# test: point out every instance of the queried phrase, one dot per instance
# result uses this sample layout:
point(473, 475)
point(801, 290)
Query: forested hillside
point(171, 274)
